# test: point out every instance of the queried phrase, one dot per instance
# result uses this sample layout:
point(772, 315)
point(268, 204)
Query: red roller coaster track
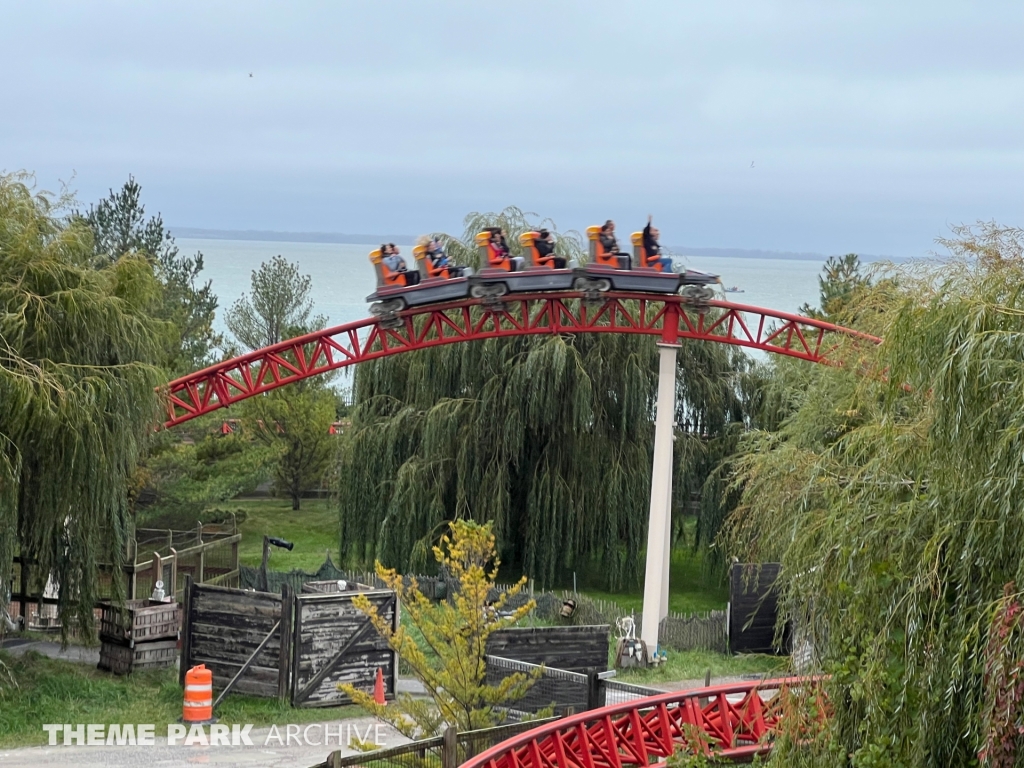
point(668, 317)
point(733, 722)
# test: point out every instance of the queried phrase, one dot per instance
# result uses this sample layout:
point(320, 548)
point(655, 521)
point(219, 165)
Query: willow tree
point(770, 391)
point(550, 438)
point(895, 502)
point(77, 396)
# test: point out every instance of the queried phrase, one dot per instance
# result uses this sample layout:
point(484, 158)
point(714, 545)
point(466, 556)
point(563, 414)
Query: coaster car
point(393, 294)
point(499, 276)
point(609, 271)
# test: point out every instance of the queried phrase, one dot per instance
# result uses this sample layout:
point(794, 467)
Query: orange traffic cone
point(378, 689)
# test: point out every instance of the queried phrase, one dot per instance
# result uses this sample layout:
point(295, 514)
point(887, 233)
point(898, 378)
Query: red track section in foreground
point(669, 317)
point(735, 722)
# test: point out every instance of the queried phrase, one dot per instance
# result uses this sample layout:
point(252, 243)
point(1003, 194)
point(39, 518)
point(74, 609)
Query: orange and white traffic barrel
point(198, 706)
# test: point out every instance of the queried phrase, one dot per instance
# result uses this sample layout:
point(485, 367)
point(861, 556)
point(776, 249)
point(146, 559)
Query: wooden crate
point(124, 659)
point(139, 621)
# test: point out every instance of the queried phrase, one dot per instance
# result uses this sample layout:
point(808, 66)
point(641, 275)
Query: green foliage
point(277, 308)
point(548, 437)
point(120, 227)
point(841, 281)
point(78, 349)
point(313, 531)
point(295, 423)
point(693, 665)
point(448, 651)
point(187, 477)
point(698, 752)
point(894, 502)
point(692, 588)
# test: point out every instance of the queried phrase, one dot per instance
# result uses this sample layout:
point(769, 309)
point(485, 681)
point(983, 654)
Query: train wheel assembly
point(488, 290)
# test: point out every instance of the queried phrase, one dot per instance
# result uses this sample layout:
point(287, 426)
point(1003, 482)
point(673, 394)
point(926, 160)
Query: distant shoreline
point(197, 233)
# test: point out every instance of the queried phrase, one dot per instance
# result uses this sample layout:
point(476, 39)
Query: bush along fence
point(678, 631)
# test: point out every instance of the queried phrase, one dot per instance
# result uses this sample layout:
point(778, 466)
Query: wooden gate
point(754, 609)
point(236, 634)
point(334, 643)
point(297, 647)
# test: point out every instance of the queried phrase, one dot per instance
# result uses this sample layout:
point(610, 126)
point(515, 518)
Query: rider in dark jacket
point(611, 245)
point(653, 248)
point(545, 245)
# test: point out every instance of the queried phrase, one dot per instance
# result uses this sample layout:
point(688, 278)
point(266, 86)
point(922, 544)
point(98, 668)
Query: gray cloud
point(872, 127)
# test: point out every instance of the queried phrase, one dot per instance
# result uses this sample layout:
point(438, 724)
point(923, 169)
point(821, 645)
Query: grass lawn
point(693, 665)
point(54, 691)
point(689, 592)
point(313, 530)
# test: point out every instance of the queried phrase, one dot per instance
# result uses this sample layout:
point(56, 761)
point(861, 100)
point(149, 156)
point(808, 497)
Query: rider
point(394, 261)
point(611, 245)
point(439, 259)
point(653, 248)
point(545, 245)
point(500, 245)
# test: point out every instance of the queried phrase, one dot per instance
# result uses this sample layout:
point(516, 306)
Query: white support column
point(658, 526)
point(667, 562)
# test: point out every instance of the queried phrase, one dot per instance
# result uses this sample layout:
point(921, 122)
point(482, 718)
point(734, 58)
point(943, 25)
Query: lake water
point(342, 275)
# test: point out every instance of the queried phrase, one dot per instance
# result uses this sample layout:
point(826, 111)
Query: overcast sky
point(871, 127)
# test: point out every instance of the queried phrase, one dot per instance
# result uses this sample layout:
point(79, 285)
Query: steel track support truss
point(730, 722)
point(251, 374)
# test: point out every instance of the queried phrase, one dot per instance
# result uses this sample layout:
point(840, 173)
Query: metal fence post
point(593, 689)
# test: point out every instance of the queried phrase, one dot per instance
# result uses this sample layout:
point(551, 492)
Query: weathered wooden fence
point(678, 631)
point(576, 649)
point(334, 643)
point(754, 609)
point(207, 553)
point(295, 647)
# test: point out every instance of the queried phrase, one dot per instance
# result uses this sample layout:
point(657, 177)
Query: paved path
point(79, 653)
point(686, 685)
point(84, 655)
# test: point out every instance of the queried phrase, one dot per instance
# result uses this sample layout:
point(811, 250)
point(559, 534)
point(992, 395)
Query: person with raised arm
point(653, 248)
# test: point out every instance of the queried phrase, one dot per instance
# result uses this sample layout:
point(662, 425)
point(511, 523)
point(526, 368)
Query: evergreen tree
point(839, 283)
point(294, 422)
point(119, 226)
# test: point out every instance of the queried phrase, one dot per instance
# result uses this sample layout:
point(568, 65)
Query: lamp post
point(267, 541)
